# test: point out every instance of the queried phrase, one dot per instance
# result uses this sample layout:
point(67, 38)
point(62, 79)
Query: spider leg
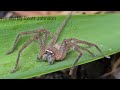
point(17, 38)
point(82, 48)
point(19, 53)
point(78, 48)
point(42, 42)
point(41, 45)
point(72, 43)
point(65, 47)
point(26, 33)
point(89, 52)
point(89, 44)
point(80, 54)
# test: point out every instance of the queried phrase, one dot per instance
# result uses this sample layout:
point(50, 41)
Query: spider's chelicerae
point(52, 51)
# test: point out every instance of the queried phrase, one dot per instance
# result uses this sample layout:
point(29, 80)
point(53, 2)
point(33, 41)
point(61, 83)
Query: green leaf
point(102, 30)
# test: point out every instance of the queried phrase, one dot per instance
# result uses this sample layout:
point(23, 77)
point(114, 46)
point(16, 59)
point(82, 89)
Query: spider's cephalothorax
point(52, 51)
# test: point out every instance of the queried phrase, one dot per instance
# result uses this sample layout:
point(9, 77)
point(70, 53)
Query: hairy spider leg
point(26, 33)
point(78, 48)
point(84, 49)
point(72, 43)
point(59, 29)
point(89, 44)
point(19, 53)
point(42, 45)
point(35, 37)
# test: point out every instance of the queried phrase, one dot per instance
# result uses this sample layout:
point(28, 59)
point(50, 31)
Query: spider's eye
point(48, 52)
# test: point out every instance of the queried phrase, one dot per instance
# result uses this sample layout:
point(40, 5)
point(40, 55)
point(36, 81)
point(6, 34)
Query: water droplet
point(101, 45)
point(110, 49)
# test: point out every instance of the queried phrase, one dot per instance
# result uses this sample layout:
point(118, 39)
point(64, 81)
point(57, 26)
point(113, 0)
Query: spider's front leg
point(42, 44)
point(35, 37)
point(41, 47)
point(19, 53)
point(26, 33)
point(17, 38)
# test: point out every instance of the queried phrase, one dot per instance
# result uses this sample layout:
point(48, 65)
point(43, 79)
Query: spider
point(52, 51)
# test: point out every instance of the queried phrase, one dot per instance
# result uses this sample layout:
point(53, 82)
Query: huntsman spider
point(51, 52)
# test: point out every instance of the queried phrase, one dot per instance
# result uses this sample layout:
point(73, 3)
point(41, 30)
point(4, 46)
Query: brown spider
point(52, 51)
